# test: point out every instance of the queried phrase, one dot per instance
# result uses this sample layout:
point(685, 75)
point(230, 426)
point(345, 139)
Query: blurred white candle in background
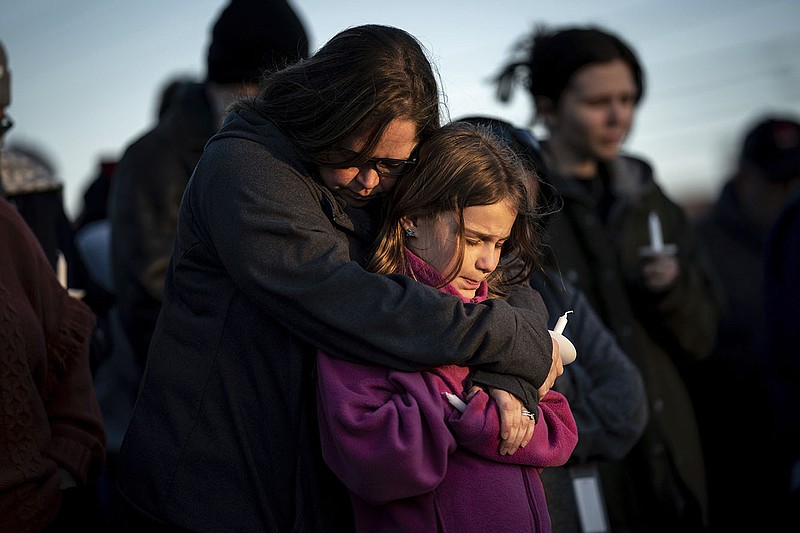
point(656, 237)
point(561, 323)
point(61, 270)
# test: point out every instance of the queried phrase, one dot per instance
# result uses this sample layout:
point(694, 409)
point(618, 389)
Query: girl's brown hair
point(462, 165)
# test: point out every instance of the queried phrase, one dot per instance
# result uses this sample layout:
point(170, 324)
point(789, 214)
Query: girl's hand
point(516, 429)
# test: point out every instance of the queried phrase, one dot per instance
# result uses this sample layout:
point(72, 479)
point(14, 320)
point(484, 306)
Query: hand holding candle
point(656, 246)
point(565, 346)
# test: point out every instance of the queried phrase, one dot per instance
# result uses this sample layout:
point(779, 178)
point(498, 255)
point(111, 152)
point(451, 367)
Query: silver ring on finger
point(528, 414)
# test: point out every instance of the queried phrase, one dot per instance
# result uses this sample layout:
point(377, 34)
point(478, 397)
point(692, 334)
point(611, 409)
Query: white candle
point(61, 270)
point(656, 238)
point(455, 401)
point(561, 323)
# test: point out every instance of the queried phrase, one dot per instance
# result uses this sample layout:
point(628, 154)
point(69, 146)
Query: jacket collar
point(424, 273)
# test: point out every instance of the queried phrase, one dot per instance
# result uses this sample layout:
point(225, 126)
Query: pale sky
point(86, 73)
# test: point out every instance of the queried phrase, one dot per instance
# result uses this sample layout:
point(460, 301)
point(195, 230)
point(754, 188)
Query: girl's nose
point(487, 260)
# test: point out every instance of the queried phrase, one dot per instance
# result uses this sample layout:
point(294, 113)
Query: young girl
point(411, 459)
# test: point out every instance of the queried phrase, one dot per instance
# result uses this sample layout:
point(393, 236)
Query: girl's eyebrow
point(473, 233)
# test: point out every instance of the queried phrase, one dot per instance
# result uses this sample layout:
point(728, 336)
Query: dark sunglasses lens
point(394, 167)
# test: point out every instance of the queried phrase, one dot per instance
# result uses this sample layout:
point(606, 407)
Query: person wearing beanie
point(248, 39)
point(251, 36)
point(735, 232)
point(773, 148)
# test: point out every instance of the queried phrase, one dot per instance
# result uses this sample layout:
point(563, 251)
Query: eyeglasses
point(384, 166)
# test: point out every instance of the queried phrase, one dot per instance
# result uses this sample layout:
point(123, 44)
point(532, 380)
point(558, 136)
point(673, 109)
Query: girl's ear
point(408, 223)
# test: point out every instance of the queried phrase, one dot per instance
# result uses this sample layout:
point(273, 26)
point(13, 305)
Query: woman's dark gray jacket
point(224, 436)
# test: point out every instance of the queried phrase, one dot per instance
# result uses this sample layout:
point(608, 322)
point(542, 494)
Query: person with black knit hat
point(251, 36)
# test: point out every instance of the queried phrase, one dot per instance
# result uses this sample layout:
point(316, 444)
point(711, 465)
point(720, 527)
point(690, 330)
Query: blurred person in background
point(658, 298)
point(782, 304)
point(51, 431)
point(735, 231)
point(92, 231)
